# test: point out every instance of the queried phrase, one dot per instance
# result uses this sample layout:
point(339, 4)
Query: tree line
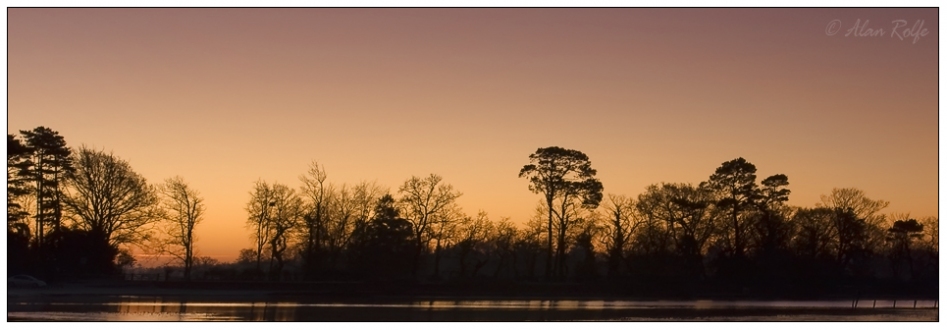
point(74, 213)
point(730, 232)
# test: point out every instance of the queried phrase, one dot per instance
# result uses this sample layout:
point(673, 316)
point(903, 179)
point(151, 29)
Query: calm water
point(133, 308)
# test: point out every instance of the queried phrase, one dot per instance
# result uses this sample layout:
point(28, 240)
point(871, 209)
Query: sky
point(225, 97)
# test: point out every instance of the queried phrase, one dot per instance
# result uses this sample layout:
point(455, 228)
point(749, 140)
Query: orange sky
point(223, 97)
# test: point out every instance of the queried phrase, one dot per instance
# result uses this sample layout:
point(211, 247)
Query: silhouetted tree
point(851, 239)
point(18, 187)
point(772, 230)
point(284, 216)
point(472, 236)
point(262, 199)
point(504, 245)
point(900, 236)
point(315, 216)
point(426, 201)
point(444, 232)
point(79, 253)
point(735, 181)
point(585, 255)
point(18, 165)
point(928, 259)
point(863, 208)
point(679, 219)
point(813, 237)
point(361, 209)
point(566, 175)
point(931, 232)
point(185, 210)
point(385, 247)
point(342, 217)
point(50, 165)
point(653, 237)
point(528, 246)
point(108, 199)
point(622, 223)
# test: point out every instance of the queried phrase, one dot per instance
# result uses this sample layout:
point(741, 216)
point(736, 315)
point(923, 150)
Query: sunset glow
point(224, 97)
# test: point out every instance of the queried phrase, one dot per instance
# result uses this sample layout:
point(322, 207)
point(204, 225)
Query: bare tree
point(275, 211)
point(425, 201)
point(285, 215)
point(931, 225)
point(472, 240)
point(621, 224)
point(316, 196)
point(529, 242)
point(107, 198)
point(814, 232)
point(185, 209)
point(574, 215)
point(365, 197)
point(342, 210)
point(856, 201)
point(503, 241)
point(258, 208)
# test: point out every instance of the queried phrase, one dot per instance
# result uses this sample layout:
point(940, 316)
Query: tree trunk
point(549, 240)
point(437, 259)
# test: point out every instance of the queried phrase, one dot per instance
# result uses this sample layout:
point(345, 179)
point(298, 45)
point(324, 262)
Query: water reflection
point(132, 308)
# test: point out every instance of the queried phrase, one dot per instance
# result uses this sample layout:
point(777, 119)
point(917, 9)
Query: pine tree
point(50, 163)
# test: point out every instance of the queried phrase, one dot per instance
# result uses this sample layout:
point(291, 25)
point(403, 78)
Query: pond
point(144, 308)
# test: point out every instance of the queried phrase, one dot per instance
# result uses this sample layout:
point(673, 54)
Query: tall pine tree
point(50, 162)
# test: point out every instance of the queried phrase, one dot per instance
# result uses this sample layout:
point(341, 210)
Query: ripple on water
point(110, 316)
